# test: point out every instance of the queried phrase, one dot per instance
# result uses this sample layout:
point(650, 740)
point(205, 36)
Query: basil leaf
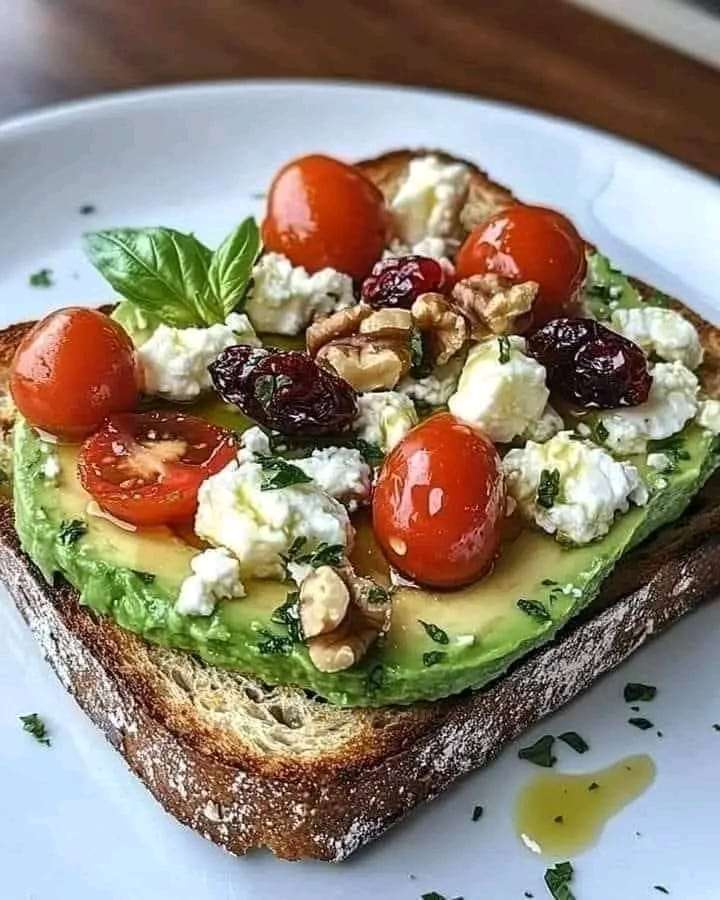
point(635, 691)
point(573, 739)
point(278, 473)
point(540, 752)
point(162, 271)
point(231, 265)
point(434, 633)
point(557, 880)
point(35, 726)
point(534, 609)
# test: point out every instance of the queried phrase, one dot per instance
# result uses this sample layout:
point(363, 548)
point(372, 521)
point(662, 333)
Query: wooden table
point(563, 60)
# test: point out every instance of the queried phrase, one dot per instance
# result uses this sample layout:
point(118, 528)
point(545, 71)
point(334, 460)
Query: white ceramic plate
point(75, 823)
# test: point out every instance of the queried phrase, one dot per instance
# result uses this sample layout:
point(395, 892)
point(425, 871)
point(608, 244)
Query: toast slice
point(249, 765)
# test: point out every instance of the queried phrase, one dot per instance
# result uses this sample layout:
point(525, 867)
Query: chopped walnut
point(483, 201)
point(340, 324)
point(324, 601)
point(446, 328)
point(494, 305)
point(382, 319)
point(369, 362)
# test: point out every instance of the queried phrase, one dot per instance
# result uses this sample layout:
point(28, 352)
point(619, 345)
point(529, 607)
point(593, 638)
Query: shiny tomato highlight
point(72, 370)
point(439, 504)
point(322, 212)
point(147, 468)
point(529, 243)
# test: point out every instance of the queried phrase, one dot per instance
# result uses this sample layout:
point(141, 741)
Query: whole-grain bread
point(249, 765)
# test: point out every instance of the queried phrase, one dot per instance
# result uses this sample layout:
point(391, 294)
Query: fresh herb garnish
point(323, 555)
point(548, 582)
point(371, 453)
point(274, 643)
point(477, 813)
point(716, 726)
point(279, 473)
point(548, 488)
point(635, 691)
point(573, 739)
point(661, 888)
point(288, 614)
point(375, 678)
point(434, 633)
point(600, 432)
point(557, 880)
point(593, 786)
point(172, 275)
point(71, 530)
point(540, 752)
point(145, 577)
point(35, 726)
point(433, 657)
point(642, 724)
point(504, 348)
point(41, 278)
point(87, 209)
point(535, 609)
point(377, 594)
point(658, 298)
point(559, 820)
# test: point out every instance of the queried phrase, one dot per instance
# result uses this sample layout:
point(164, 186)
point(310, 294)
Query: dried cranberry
point(590, 365)
point(398, 281)
point(284, 390)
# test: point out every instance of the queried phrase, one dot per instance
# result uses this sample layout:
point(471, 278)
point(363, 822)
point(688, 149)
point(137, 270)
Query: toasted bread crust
point(327, 804)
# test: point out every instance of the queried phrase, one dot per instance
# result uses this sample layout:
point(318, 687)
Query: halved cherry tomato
point(72, 370)
point(529, 243)
point(146, 468)
point(439, 504)
point(322, 212)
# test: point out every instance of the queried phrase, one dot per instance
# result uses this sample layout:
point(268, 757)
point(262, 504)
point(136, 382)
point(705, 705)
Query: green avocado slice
point(537, 585)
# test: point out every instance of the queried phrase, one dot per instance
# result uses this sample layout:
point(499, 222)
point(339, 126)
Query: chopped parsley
point(433, 658)
point(540, 753)
point(477, 813)
point(274, 644)
point(557, 880)
point(371, 453)
point(288, 614)
point(534, 609)
point(548, 488)
point(145, 577)
point(323, 555)
point(635, 691)
point(279, 473)
point(35, 726)
point(573, 739)
point(434, 633)
point(642, 724)
point(41, 278)
point(504, 348)
point(71, 530)
point(377, 594)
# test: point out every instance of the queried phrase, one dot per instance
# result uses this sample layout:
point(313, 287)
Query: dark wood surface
point(548, 55)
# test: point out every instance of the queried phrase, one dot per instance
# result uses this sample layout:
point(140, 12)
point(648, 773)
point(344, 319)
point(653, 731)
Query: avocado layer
point(134, 578)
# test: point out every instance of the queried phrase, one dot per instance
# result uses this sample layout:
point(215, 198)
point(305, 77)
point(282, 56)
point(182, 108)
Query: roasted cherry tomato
point(529, 243)
point(322, 212)
point(439, 504)
point(146, 468)
point(72, 370)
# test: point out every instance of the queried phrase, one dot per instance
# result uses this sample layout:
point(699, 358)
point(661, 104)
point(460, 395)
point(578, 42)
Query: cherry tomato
point(322, 212)
point(529, 243)
point(146, 468)
point(439, 504)
point(72, 370)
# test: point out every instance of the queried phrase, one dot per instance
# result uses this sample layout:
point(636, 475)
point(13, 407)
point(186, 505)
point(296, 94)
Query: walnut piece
point(382, 319)
point(343, 323)
point(483, 201)
point(324, 601)
point(369, 362)
point(494, 305)
point(446, 328)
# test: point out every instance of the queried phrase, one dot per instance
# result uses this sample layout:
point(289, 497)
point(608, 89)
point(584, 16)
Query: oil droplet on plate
point(561, 815)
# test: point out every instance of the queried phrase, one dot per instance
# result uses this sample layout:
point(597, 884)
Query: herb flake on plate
point(540, 753)
point(477, 813)
point(557, 880)
point(639, 722)
point(41, 278)
point(573, 739)
point(433, 658)
point(34, 725)
point(435, 633)
point(635, 691)
point(534, 609)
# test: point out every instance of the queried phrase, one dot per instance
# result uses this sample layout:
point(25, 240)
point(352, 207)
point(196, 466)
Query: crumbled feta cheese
point(259, 526)
point(661, 462)
point(254, 443)
point(51, 466)
point(709, 415)
point(339, 471)
point(284, 298)
point(436, 388)
point(662, 332)
point(428, 202)
point(175, 360)
point(547, 426)
point(671, 403)
point(384, 418)
point(592, 486)
point(501, 398)
point(216, 576)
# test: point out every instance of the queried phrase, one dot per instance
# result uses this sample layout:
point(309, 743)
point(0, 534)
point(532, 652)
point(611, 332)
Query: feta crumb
point(254, 443)
point(547, 426)
point(661, 462)
point(428, 202)
point(709, 415)
point(175, 360)
point(672, 402)
point(436, 388)
point(216, 575)
point(284, 298)
point(663, 332)
point(51, 466)
point(384, 418)
point(341, 472)
point(501, 398)
point(593, 487)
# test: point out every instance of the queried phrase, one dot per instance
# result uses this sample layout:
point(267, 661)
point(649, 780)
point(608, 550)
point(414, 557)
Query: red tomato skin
point(322, 212)
point(529, 243)
point(170, 500)
point(440, 498)
point(72, 370)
